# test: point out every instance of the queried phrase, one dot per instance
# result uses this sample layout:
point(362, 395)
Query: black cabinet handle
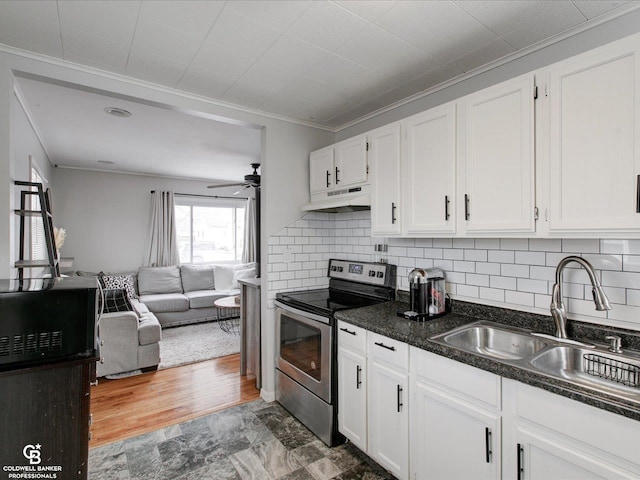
point(393, 212)
point(358, 372)
point(337, 179)
point(380, 344)
point(399, 398)
point(466, 206)
point(446, 207)
point(328, 174)
point(638, 194)
point(487, 444)
point(520, 466)
point(348, 331)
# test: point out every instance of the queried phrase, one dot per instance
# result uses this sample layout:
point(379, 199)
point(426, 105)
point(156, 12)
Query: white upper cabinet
point(384, 161)
point(429, 172)
point(321, 170)
point(497, 184)
point(338, 167)
point(350, 162)
point(594, 148)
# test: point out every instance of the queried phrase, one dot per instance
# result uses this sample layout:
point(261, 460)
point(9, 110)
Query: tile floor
point(254, 441)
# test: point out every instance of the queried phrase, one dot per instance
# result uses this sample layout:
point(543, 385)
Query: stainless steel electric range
point(306, 370)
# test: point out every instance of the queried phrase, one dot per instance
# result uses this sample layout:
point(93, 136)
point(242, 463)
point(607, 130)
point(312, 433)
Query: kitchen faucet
point(558, 311)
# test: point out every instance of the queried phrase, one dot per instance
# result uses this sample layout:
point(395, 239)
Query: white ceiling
point(76, 132)
point(319, 61)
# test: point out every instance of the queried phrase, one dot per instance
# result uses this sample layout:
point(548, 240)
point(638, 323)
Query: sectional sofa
point(160, 297)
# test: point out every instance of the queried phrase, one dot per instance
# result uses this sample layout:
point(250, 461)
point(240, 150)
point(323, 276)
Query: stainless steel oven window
point(304, 351)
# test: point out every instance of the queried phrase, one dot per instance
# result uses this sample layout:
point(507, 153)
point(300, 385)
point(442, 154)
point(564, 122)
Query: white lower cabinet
point(453, 435)
point(373, 396)
point(352, 396)
point(389, 417)
point(423, 416)
point(352, 384)
point(554, 437)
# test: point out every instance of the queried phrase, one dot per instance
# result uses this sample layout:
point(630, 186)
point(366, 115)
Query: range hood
point(340, 201)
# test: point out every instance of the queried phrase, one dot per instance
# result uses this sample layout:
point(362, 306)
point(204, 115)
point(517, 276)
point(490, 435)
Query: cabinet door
point(429, 172)
point(497, 192)
point(541, 457)
point(388, 419)
point(452, 439)
point(321, 170)
point(351, 162)
point(594, 142)
point(384, 160)
point(352, 397)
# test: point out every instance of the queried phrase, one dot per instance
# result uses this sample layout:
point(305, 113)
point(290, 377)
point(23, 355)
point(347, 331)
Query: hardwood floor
point(140, 404)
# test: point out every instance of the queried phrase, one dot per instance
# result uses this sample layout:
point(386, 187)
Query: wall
point(607, 32)
point(511, 273)
point(106, 215)
point(285, 170)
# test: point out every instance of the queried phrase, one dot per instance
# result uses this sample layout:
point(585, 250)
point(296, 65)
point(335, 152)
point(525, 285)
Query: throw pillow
point(197, 277)
point(116, 300)
point(241, 273)
point(223, 275)
point(152, 280)
point(125, 281)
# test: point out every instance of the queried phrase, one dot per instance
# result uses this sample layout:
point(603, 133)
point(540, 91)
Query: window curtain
point(250, 241)
point(162, 244)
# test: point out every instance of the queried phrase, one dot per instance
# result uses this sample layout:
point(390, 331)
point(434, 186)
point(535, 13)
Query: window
point(38, 243)
point(209, 230)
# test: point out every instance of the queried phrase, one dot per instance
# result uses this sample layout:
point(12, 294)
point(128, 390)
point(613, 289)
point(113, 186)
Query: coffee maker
point(427, 294)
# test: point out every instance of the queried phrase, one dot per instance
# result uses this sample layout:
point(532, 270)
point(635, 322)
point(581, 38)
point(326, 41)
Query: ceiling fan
point(251, 180)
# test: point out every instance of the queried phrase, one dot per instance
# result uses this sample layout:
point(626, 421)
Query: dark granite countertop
point(383, 319)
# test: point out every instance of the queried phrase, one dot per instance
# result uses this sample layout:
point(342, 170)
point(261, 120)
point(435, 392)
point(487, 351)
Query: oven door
point(304, 349)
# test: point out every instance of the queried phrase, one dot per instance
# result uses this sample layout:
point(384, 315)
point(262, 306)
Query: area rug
point(195, 343)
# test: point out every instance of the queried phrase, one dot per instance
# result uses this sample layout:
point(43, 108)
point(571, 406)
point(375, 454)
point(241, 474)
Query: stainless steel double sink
point(586, 365)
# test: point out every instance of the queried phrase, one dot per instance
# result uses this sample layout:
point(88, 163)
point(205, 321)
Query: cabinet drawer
point(388, 350)
point(464, 380)
point(352, 337)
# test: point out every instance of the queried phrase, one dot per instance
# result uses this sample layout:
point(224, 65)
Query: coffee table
point(228, 314)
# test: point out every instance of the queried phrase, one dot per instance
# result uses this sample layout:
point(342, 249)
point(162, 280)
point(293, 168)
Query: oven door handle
point(302, 313)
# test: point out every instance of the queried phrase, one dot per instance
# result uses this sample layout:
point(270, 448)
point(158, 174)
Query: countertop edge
point(383, 320)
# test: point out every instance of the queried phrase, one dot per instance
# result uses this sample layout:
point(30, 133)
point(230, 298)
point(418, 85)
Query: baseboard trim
point(267, 396)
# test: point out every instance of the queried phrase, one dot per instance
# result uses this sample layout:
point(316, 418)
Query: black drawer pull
point(446, 207)
point(399, 398)
point(337, 179)
point(520, 462)
point(487, 444)
point(638, 194)
point(393, 213)
point(328, 178)
point(466, 206)
point(380, 344)
point(348, 331)
point(358, 372)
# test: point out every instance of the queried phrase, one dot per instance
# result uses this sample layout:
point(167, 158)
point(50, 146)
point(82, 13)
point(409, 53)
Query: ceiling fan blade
point(241, 189)
point(228, 184)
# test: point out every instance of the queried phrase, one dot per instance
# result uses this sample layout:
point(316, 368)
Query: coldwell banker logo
point(33, 453)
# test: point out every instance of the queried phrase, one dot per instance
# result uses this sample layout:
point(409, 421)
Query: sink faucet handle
point(616, 343)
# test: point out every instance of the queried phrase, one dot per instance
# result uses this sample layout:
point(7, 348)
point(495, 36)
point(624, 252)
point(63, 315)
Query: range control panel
point(381, 274)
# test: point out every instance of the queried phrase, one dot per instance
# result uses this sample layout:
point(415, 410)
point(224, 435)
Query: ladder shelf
point(44, 198)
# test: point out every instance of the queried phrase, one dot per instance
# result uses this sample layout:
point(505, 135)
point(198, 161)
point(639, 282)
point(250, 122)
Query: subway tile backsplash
point(513, 273)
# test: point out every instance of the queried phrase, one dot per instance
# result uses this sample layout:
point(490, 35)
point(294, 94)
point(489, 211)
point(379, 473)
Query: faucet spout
point(558, 311)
